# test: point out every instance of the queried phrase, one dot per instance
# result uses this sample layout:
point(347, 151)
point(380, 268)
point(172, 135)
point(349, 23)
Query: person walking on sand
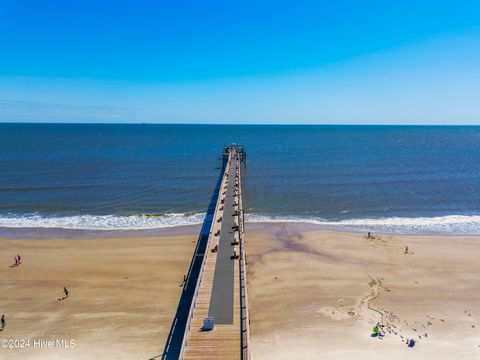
point(65, 291)
point(18, 260)
point(3, 323)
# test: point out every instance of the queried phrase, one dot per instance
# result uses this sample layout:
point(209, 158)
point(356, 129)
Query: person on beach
point(377, 331)
point(3, 323)
point(369, 235)
point(406, 249)
point(18, 260)
point(65, 291)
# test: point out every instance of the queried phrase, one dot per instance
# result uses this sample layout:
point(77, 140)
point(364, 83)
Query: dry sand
point(318, 294)
point(313, 294)
point(123, 295)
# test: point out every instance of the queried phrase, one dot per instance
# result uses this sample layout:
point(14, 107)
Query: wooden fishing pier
point(212, 320)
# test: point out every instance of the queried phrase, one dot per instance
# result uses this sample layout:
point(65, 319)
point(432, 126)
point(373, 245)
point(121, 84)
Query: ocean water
point(380, 178)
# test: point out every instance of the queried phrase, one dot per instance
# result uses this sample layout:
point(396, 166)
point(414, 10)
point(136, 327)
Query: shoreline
point(123, 295)
point(64, 233)
point(311, 292)
point(61, 233)
point(320, 293)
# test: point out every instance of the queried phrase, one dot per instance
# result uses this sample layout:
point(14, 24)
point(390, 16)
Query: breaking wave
point(452, 224)
point(102, 222)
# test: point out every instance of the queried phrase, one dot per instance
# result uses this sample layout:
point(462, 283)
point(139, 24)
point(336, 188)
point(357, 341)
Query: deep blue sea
point(380, 178)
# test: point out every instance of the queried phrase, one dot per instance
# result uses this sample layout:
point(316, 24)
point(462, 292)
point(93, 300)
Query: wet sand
point(313, 294)
point(318, 294)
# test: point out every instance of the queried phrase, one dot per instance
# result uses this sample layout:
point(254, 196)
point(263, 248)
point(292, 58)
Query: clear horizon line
point(228, 124)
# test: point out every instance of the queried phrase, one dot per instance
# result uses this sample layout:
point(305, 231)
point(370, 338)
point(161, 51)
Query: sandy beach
point(123, 294)
point(313, 294)
point(318, 294)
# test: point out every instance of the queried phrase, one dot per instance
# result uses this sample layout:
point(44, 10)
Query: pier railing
point(202, 269)
point(244, 308)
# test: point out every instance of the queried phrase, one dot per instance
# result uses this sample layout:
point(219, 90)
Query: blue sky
point(359, 62)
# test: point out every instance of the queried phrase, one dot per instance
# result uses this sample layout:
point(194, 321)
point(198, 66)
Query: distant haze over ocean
point(383, 178)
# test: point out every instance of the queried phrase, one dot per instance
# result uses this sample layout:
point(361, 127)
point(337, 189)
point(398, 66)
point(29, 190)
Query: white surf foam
point(452, 224)
point(102, 222)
